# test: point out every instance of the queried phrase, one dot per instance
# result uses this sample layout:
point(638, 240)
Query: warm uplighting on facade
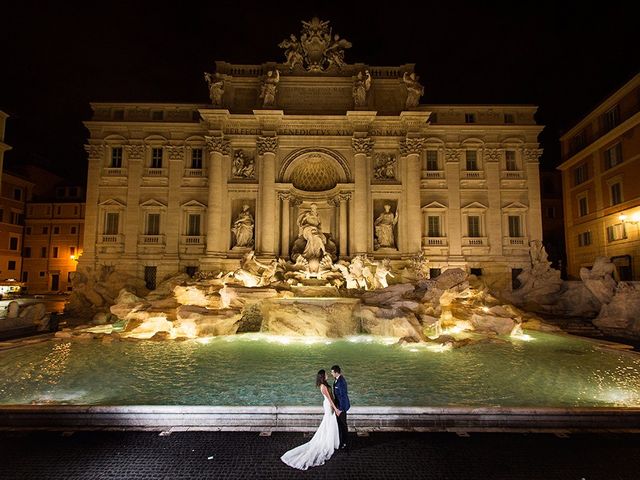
point(635, 218)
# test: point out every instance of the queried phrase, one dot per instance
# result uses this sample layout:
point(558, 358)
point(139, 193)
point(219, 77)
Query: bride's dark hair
point(321, 378)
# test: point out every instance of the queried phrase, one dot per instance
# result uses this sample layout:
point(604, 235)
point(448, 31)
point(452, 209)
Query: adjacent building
point(53, 232)
point(15, 191)
point(187, 187)
point(601, 187)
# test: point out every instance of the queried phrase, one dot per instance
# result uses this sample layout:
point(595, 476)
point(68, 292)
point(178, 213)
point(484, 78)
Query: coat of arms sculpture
point(317, 50)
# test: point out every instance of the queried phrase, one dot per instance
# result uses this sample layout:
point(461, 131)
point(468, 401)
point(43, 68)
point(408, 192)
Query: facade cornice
point(312, 120)
point(603, 140)
point(608, 103)
point(465, 107)
point(17, 180)
point(151, 104)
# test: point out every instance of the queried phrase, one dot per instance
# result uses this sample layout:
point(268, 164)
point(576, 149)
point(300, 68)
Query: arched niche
point(314, 169)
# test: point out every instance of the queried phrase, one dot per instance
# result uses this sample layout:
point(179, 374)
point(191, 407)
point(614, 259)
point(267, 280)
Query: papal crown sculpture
point(317, 50)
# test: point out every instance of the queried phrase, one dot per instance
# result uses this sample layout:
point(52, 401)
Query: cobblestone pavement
point(229, 455)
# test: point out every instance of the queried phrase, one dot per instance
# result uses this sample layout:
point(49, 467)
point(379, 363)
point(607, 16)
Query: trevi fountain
point(338, 277)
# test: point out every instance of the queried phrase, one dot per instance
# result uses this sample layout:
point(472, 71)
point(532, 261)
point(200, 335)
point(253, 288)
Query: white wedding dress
point(322, 445)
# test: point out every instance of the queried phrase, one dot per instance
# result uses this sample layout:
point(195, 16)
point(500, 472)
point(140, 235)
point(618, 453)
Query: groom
point(341, 397)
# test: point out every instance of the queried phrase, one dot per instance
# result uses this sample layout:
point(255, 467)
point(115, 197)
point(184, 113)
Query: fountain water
point(225, 338)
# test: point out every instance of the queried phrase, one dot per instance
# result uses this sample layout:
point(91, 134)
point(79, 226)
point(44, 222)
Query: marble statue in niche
point(310, 228)
point(383, 225)
point(243, 228)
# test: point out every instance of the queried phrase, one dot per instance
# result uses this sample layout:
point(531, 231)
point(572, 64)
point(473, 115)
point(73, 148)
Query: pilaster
point(452, 157)
point(135, 159)
point(531, 157)
point(172, 221)
point(492, 159)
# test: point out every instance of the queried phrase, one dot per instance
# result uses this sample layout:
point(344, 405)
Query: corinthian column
point(343, 198)
point(411, 148)
point(267, 147)
point(287, 200)
point(216, 240)
point(91, 220)
point(362, 148)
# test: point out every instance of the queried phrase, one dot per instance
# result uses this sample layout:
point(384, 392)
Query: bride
point(324, 441)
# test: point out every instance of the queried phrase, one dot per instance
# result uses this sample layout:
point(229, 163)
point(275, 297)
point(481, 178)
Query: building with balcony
point(168, 182)
point(600, 172)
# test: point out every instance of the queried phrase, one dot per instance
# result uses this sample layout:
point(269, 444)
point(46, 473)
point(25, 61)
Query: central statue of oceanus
point(313, 247)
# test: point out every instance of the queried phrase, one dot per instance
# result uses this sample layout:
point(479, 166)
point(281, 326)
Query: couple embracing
point(332, 432)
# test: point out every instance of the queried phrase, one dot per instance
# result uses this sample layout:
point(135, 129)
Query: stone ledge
point(287, 418)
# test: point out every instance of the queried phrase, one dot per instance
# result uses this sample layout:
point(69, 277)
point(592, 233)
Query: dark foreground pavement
point(227, 455)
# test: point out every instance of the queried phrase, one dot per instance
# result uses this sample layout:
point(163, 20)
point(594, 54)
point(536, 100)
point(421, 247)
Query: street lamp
point(634, 220)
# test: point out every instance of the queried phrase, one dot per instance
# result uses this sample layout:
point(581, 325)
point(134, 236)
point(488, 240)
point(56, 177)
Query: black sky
point(58, 56)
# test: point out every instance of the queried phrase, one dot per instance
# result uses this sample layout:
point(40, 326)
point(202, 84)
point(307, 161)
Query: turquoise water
point(254, 369)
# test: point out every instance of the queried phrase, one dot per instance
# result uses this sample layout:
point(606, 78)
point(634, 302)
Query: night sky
point(59, 56)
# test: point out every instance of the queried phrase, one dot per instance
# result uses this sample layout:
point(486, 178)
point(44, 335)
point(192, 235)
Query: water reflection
point(258, 369)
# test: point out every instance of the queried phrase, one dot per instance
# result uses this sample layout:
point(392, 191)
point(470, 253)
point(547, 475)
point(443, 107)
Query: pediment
point(112, 202)
point(155, 138)
point(472, 142)
point(515, 206)
point(153, 204)
point(475, 206)
point(193, 204)
point(434, 206)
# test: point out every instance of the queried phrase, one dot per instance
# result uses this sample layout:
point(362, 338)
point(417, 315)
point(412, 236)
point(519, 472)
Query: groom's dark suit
point(341, 396)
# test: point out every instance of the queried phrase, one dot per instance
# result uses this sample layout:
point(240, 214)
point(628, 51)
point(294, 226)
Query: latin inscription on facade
point(315, 97)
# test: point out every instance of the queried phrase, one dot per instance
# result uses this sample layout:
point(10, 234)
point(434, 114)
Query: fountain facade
point(313, 161)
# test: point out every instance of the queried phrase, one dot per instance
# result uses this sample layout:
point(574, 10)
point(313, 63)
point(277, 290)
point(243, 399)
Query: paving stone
point(234, 455)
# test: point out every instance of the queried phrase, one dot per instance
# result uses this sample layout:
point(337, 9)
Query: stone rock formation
point(540, 285)
point(599, 279)
point(620, 316)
